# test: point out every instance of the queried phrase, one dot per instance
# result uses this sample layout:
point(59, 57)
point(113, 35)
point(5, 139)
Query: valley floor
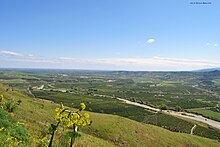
point(199, 118)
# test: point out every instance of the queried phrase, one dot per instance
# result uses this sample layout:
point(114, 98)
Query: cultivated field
point(176, 91)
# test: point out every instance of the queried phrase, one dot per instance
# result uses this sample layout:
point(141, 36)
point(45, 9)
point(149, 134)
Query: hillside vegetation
point(100, 90)
point(106, 130)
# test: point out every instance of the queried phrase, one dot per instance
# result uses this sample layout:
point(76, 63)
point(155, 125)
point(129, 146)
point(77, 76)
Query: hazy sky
point(110, 34)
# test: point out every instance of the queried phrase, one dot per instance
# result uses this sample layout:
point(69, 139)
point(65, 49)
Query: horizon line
point(121, 70)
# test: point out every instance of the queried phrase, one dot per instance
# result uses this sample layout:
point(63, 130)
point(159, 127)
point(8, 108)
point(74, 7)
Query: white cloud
point(212, 44)
point(10, 53)
point(151, 40)
point(66, 58)
point(207, 43)
point(133, 63)
point(30, 55)
point(138, 63)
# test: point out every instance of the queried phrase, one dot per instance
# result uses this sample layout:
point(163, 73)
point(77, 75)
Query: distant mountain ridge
point(208, 69)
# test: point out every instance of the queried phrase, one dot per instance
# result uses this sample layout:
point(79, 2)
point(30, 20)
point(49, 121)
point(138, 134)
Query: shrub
point(5, 120)
point(19, 132)
point(10, 106)
point(163, 107)
point(11, 134)
point(178, 108)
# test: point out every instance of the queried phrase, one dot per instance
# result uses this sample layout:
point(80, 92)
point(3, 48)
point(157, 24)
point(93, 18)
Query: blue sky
point(110, 34)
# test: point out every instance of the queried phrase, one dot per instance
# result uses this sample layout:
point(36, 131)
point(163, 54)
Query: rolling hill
point(106, 130)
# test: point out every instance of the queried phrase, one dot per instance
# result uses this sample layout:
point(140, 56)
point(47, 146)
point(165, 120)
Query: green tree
point(163, 107)
point(178, 108)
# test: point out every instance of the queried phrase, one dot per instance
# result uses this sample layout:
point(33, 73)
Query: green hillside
point(106, 130)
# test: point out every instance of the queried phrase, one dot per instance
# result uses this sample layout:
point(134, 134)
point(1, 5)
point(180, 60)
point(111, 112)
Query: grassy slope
point(106, 130)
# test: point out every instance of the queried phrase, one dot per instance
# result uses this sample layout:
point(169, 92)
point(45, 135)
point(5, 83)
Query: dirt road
point(191, 132)
point(210, 122)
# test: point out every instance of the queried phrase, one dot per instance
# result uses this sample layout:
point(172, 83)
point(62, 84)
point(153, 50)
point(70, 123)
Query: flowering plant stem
point(52, 135)
point(68, 119)
point(74, 135)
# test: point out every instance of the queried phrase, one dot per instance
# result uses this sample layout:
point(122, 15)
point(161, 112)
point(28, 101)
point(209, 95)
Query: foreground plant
point(1, 98)
point(11, 133)
point(71, 120)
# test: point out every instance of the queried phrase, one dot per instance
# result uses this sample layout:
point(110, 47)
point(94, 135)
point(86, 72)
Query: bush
point(178, 108)
point(10, 106)
point(19, 132)
point(11, 134)
point(163, 107)
point(5, 120)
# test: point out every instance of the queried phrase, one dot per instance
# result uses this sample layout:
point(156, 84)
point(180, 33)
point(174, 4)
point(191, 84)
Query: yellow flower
point(2, 129)
point(58, 110)
point(45, 141)
point(58, 118)
point(86, 115)
point(68, 118)
point(58, 113)
point(79, 122)
point(82, 106)
point(13, 141)
point(88, 122)
point(9, 139)
point(74, 116)
point(66, 122)
point(1, 98)
point(83, 121)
